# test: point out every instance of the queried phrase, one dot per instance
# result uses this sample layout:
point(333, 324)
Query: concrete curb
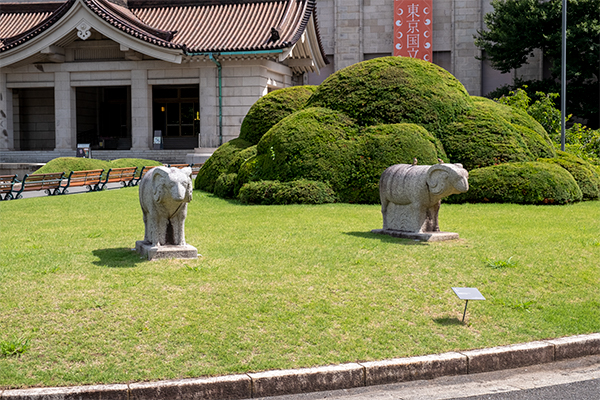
point(344, 376)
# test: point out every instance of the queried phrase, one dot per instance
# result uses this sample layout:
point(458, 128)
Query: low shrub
point(301, 191)
point(271, 109)
point(68, 164)
point(219, 163)
point(584, 173)
point(224, 186)
point(521, 183)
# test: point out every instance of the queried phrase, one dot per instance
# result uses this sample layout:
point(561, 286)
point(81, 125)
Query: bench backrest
point(180, 166)
point(91, 176)
point(42, 181)
point(7, 182)
point(118, 174)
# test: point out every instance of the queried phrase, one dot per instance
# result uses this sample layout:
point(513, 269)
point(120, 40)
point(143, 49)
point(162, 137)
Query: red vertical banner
point(413, 29)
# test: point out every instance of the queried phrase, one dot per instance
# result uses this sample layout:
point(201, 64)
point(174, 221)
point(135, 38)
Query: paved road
point(577, 379)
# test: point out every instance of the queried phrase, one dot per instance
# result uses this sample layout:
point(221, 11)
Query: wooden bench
point(141, 174)
point(178, 165)
point(196, 168)
point(7, 183)
point(50, 183)
point(90, 178)
point(123, 175)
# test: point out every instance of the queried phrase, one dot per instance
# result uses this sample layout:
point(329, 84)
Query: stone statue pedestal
point(162, 252)
point(421, 236)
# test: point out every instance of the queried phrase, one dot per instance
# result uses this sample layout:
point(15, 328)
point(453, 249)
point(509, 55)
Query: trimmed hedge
point(219, 163)
point(521, 183)
point(390, 90)
point(493, 133)
point(272, 108)
point(585, 174)
point(68, 164)
point(315, 144)
point(301, 191)
point(376, 149)
point(224, 185)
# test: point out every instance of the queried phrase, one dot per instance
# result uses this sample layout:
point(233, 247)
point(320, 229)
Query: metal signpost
point(467, 293)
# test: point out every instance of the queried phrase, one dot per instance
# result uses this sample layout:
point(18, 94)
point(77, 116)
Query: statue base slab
point(162, 252)
point(421, 236)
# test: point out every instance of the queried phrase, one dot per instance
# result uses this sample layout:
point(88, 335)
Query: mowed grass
point(278, 287)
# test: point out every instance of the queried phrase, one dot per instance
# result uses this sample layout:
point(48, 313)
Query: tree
point(516, 27)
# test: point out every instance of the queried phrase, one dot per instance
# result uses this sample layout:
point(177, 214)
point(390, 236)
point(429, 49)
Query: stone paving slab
point(344, 376)
point(414, 368)
point(506, 357)
point(218, 388)
point(275, 383)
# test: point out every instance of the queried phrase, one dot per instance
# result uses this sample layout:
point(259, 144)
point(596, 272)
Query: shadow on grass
point(387, 238)
point(448, 321)
point(121, 257)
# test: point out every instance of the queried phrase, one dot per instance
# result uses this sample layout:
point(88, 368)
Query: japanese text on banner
point(413, 29)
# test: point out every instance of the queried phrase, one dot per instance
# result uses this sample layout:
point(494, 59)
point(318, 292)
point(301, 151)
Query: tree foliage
point(516, 27)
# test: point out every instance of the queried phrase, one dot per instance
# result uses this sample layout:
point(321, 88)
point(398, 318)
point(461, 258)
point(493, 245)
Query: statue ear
point(437, 178)
point(187, 171)
point(158, 182)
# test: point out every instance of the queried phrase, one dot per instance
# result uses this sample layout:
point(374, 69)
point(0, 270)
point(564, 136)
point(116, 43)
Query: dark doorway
point(176, 113)
point(104, 117)
point(35, 121)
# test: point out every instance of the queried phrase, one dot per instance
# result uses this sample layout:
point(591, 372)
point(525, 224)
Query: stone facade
point(358, 30)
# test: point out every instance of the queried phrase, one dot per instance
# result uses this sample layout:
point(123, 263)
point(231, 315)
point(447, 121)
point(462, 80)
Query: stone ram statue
point(411, 194)
point(164, 195)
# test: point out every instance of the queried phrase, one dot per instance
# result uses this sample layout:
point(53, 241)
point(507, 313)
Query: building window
point(176, 113)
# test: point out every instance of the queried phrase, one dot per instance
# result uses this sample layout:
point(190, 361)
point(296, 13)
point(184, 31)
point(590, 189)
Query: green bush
point(315, 144)
point(272, 108)
point(376, 149)
point(219, 163)
point(68, 164)
point(493, 133)
point(521, 183)
point(224, 186)
point(392, 90)
point(584, 173)
point(295, 192)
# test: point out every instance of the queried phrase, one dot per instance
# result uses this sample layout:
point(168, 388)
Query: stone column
point(209, 107)
point(348, 33)
point(467, 20)
point(64, 112)
point(141, 111)
point(6, 113)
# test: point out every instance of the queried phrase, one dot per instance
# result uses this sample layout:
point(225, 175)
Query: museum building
point(171, 80)
point(150, 79)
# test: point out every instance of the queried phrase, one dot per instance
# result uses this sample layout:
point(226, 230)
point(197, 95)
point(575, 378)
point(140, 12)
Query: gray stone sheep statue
point(164, 195)
point(411, 194)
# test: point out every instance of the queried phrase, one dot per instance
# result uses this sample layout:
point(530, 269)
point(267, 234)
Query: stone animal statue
point(411, 194)
point(164, 195)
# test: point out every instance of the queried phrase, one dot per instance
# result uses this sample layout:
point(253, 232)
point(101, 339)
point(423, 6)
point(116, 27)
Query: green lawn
point(278, 287)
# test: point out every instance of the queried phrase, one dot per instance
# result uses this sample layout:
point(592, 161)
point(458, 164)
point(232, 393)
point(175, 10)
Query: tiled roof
point(194, 26)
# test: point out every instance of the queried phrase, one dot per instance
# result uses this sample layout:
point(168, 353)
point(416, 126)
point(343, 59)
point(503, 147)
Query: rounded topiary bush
point(219, 163)
point(68, 164)
point(521, 183)
point(224, 185)
point(272, 108)
point(380, 146)
point(295, 192)
point(393, 90)
point(486, 136)
point(315, 144)
point(584, 173)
